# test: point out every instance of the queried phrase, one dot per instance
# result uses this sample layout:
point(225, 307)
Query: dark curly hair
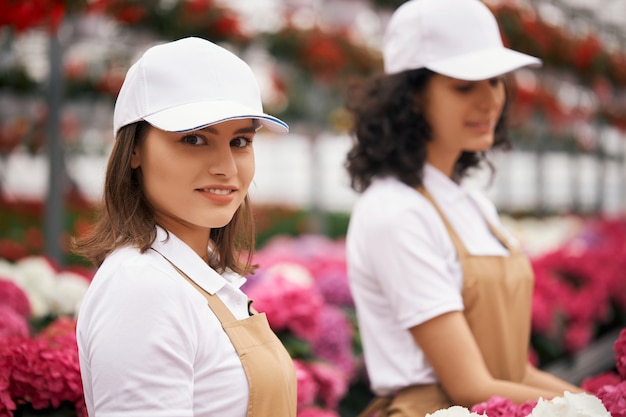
point(390, 131)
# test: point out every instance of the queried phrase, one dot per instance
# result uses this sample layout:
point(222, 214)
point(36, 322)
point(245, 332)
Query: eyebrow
point(214, 131)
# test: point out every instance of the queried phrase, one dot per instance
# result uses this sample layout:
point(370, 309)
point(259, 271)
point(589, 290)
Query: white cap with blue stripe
point(189, 84)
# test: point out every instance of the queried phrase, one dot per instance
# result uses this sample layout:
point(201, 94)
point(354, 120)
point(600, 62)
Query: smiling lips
point(216, 191)
point(218, 195)
point(481, 126)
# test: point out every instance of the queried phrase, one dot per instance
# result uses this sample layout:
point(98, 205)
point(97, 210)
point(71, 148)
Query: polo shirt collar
point(441, 186)
point(185, 259)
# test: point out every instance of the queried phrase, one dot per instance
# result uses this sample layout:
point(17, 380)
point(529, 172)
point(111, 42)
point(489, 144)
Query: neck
point(446, 165)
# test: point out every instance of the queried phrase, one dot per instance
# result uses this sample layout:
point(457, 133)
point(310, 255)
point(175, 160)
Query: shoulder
point(391, 211)
point(131, 266)
point(129, 276)
point(388, 199)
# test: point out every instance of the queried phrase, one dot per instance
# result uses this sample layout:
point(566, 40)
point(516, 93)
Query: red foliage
point(587, 51)
point(23, 15)
point(323, 55)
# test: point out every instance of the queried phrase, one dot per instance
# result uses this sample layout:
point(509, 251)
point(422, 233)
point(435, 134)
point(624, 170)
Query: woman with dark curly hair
point(442, 292)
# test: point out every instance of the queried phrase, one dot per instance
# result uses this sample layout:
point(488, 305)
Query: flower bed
point(302, 286)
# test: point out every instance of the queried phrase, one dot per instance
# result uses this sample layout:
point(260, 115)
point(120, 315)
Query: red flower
point(14, 297)
point(61, 332)
point(12, 250)
point(503, 407)
point(130, 14)
point(333, 342)
point(307, 388)
point(324, 56)
point(289, 305)
point(332, 383)
point(12, 323)
point(43, 372)
point(593, 384)
point(620, 354)
point(578, 335)
point(588, 50)
point(23, 15)
point(316, 412)
point(614, 399)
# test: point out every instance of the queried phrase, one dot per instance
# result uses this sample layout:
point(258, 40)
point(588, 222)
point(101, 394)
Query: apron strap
point(456, 241)
point(218, 307)
point(453, 236)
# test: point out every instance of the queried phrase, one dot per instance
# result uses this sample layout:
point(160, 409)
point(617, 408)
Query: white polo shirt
point(149, 346)
point(403, 268)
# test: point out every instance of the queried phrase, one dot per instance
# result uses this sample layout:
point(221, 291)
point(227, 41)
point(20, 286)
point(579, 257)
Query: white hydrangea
point(49, 292)
point(291, 271)
point(37, 277)
point(69, 291)
point(454, 411)
point(570, 405)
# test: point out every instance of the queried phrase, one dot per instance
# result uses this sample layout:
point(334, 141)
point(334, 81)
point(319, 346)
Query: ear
point(135, 160)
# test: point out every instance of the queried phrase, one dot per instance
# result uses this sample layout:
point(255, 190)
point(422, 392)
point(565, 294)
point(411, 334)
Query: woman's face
point(462, 115)
point(196, 180)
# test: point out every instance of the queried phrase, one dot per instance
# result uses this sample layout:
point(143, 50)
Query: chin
point(482, 144)
point(219, 223)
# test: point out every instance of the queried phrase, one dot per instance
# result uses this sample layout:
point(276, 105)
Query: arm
point(140, 356)
point(453, 353)
point(540, 379)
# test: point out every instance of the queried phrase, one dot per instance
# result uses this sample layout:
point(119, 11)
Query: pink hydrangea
point(594, 383)
point(544, 309)
point(620, 354)
point(503, 407)
point(12, 323)
point(524, 409)
point(578, 334)
point(316, 412)
point(11, 295)
point(61, 331)
point(331, 277)
point(334, 341)
point(43, 371)
point(288, 305)
point(614, 398)
point(307, 386)
point(331, 381)
point(45, 376)
point(7, 405)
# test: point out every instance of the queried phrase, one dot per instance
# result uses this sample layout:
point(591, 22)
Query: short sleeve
point(415, 261)
point(140, 340)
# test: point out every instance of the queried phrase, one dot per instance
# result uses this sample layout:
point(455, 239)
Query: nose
point(491, 94)
point(222, 161)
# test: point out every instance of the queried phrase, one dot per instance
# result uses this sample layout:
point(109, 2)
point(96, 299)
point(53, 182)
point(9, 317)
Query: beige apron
point(267, 364)
point(497, 295)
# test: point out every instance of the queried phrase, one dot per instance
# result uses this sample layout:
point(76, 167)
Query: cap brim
point(195, 116)
point(485, 64)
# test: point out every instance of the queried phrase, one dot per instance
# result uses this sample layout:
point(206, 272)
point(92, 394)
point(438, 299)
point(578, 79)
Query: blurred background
point(561, 189)
point(62, 63)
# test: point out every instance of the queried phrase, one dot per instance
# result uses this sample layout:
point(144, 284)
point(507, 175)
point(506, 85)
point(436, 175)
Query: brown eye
point(241, 142)
point(465, 87)
point(194, 140)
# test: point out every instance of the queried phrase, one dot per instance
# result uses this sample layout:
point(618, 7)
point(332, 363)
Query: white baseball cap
point(457, 38)
point(189, 84)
